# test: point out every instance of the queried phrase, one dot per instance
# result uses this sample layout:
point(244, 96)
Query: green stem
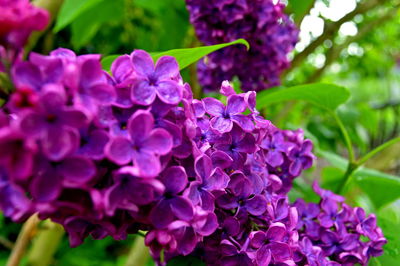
point(346, 137)
point(353, 166)
point(139, 253)
point(378, 149)
point(45, 244)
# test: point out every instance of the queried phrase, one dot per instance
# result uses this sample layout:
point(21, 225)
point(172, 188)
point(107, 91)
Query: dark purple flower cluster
point(335, 230)
point(270, 32)
point(109, 155)
point(17, 21)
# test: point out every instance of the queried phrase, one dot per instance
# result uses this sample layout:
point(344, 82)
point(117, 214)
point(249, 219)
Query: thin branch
point(330, 31)
point(23, 239)
point(334, 52)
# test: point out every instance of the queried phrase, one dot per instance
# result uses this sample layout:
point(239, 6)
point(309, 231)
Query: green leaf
point(299, 8)
point(330, 177)
point(71, 9)
point(107, 61)
point(188, 56)
point(185, 57)
point(86, 25)
point(326, 96)
point(381, 188)
point(389, 221)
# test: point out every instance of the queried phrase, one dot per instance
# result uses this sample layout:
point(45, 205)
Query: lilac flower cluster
point(17, 21)
point(270, 32)
point(109, 155)
point(335, 230)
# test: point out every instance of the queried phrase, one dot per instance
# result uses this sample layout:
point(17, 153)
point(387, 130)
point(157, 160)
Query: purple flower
point(270, 32)
point(142, 147)
point(155, 80)
point(147, 190)
point(223, 117)
point(172, 206)
point(16, 154)
point(270, 245)
point(54, 123)
point(50, 178)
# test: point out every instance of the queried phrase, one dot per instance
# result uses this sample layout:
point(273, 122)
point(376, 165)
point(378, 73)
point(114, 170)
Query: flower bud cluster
point(263, 23)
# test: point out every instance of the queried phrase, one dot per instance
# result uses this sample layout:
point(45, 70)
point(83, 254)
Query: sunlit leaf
point(326, 96)
point(71, 9)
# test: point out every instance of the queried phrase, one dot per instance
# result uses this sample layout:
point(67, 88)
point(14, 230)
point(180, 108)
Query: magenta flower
point(144, 145)
point(54, 123)
point(225, 116)
point(151, 81)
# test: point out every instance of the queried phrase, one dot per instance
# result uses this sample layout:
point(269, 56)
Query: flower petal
point(119, 150)
point(142, 63)
point(235, 104)
point(166, 68)
point(213, 106)
point(221, 124)
point(159, 142)
point(147, 163)
point(182, 208)
point(142, 93)
point(169, 91)
point(77, 170)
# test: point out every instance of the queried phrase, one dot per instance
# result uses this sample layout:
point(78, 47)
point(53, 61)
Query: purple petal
point(59, 142)
point(161, 215)
point(182, 208)
point(147, 164)
point(256, 205)
point(203, 167)
point(103, 93)
point(221, 159)
point(32, 124)
point(280, 251)
point(121, 68)
point(28, 75)
point(74, 118)
point(276, 232)
point(46, 186)
point(213, 106)
point(123, 97)
point(142, 63)
point(91, 73)
point(274, 158)
point(166, 68)
point(174, 179)
point(263, 255)
point(159, 141)
point(218, 180)
point(235, 104)
point(244, 121)
point(77, 170)
point(119, 150)
point(140, 126)
point(143, 93)
point(169, 91)
point(221, 124)
point(247, 144)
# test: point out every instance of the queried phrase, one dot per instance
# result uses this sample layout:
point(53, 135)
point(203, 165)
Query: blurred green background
point(353, 43)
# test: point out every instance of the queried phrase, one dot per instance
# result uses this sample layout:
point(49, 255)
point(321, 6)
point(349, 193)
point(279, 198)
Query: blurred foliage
point(367, 62)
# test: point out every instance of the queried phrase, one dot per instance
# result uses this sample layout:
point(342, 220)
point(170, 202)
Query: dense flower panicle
point(270, 32)
point(19, 18)
point(108, 155)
